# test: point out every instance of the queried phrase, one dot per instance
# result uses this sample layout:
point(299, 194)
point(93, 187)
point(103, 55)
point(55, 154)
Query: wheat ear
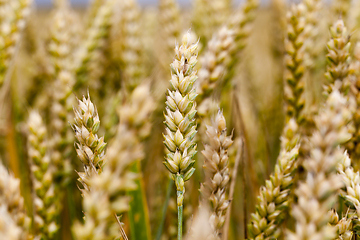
point(61, 103)
point(13, 20)
point(5, 24)
point(99, 222)
point(201, 228)
point(275, 197)
point(241, 25)
point(313, 8)
point(353, 146)
point(180, 119)
point(217, 172)
point(317, 193)
point(294, 61)
point(213, 66)
point(92, 11)
point(350, 191)
point(90, 148)
point(62, 100)
point(201, 19)
point(45, 208)
point(343, 226)
point(341, 8)
point(338, 58)
point(221, 55)
point(94, 40)
point(60, 47)
point(208, 16)
point(14, 223)
point(351, 179)
point(111, 185)
point(169, 19)
point(131, 45)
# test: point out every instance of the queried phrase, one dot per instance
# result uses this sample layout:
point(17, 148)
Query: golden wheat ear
point(294, 63)
point(43, 173)
point(13, 16)
point(99, 214)
point(179, 115)
point(90, 148)
point(317, 193)
point(338, 59)
point(14, 223)
point(354, 144)
point(276, 196)
point(169, 19)
point(217, 172)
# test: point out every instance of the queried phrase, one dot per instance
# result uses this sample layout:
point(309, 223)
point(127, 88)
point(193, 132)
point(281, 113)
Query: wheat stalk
point(13, 20)
point(221, 56)
point(99, 222)
point(91, 151)
point(169, 19)
point(353, 146)
point(316, 194)
point(201, 19)
point(131, 45)
point(343, 226)
point(217, 172)
point(63, 35)
point(110, 186)
point(294, 61)
point(90, 148)
point(338, 58)
point(350, 192)
point(208, 16)
point(201, 228)
point(351, 181)
point(8, 227)
point(60, 51)
point(92, 10)
point(94, 39)
point(45, 205)
point(241, 24)
point(279, 9)
point(180, 119)
point(213, 66)
point(275, 197)
point(60, 139)
point(14, 223)
point(313, 8)
point(61, 46)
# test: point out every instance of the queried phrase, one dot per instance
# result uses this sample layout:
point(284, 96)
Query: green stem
point(180, 218)
point(180, 187)
point(139, 213)
point(168, 193)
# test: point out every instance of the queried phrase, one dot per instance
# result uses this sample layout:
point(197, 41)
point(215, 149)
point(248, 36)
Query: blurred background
point(253, 100)
point(81, 3)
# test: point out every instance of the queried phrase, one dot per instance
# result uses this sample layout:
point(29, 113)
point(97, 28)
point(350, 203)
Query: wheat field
point(219, 120)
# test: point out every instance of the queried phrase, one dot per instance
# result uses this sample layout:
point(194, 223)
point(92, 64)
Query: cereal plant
point(213, 120)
